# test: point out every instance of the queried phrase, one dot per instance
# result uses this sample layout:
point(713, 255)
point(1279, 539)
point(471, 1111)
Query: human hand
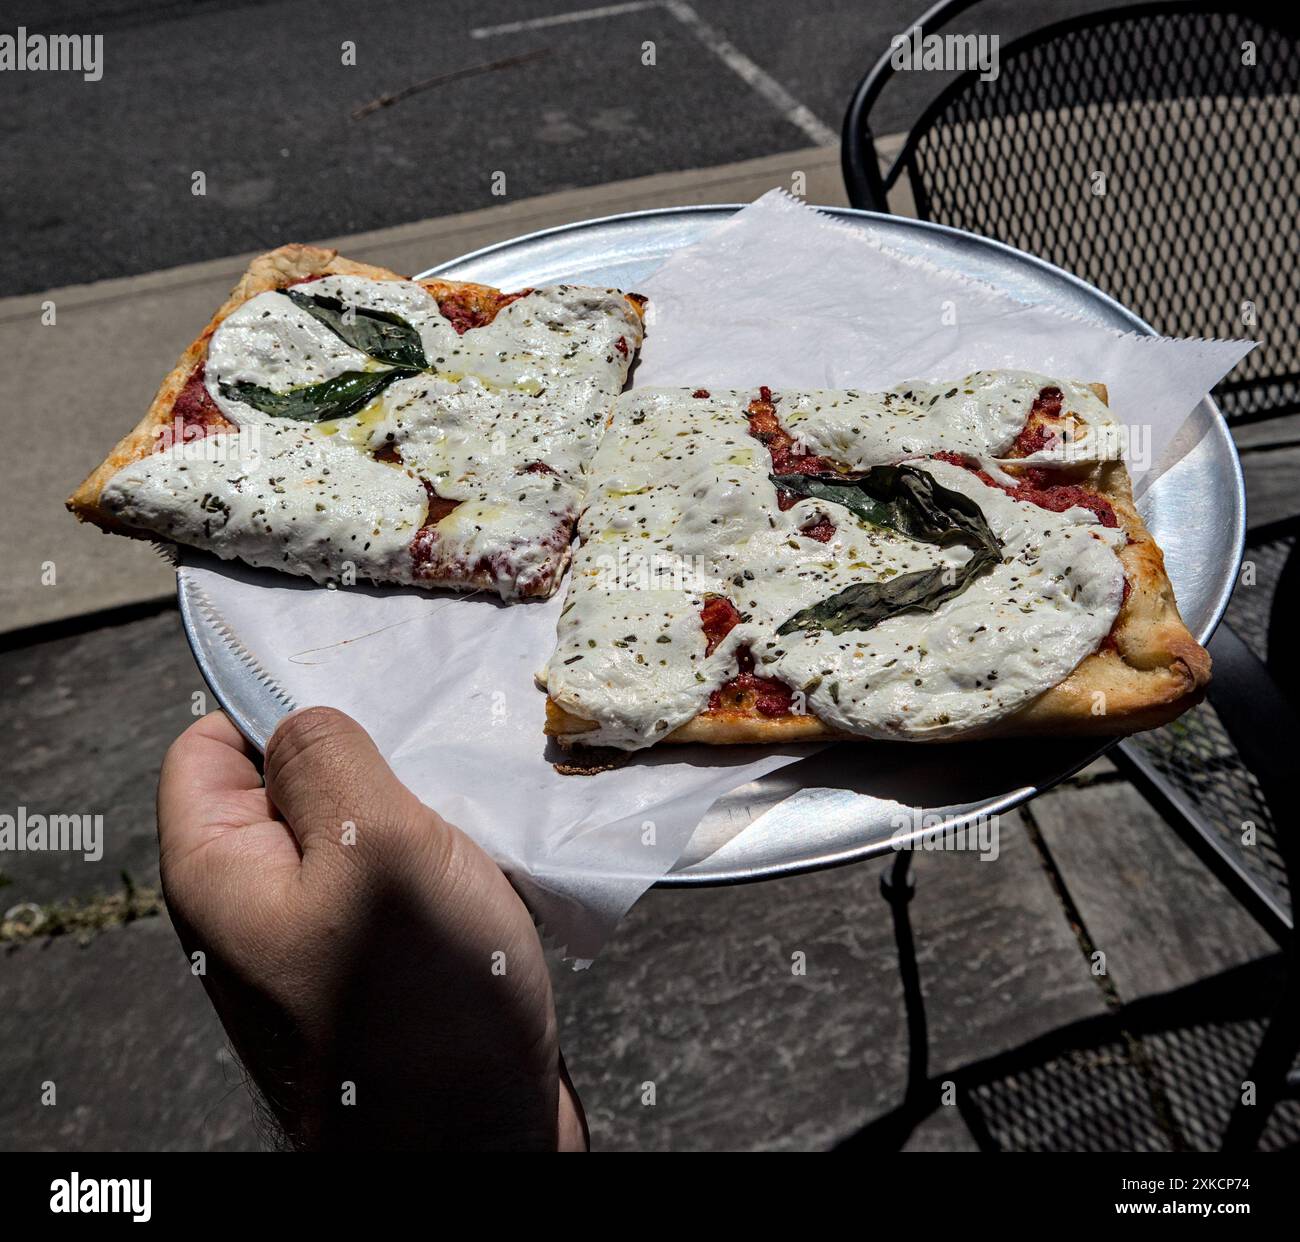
point(352, 936)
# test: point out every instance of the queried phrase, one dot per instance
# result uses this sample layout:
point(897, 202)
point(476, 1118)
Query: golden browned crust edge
point(1155, 673)
point(721, 728)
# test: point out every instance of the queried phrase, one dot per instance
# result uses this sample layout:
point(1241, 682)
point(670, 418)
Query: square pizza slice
point(339, 421)
point(937, 561)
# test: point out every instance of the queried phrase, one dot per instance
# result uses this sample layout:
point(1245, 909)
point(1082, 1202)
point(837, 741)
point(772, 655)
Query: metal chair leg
point(1270, 1071)
point(897, 882)
point(898, 887)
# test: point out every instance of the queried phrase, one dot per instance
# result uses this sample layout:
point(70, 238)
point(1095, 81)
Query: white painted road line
point(563, 19)
point(789, 107)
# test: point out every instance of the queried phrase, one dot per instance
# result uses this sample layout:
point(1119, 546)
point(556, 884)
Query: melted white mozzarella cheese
point(516, 463)
point(472, 442)
point(1009, 636)
point(271, 342)
point(681, 503)
point(1075, 445)
point(550, 336)
point(979, 416)
point(279, 497)
point(553, 334)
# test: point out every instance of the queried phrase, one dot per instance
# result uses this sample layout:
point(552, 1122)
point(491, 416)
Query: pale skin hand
point(367, 963)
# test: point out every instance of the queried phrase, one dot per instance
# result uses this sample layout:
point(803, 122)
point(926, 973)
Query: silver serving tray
point(825, 810)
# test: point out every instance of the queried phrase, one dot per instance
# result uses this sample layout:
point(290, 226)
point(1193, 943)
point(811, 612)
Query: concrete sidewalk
point(85, 380)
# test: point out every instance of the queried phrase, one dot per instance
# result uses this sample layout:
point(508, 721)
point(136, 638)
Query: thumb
point(328, 780)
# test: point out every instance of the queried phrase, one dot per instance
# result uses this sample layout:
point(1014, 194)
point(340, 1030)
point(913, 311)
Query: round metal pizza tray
point(828, 809)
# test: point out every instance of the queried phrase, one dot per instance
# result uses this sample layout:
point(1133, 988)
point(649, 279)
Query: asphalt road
point(100, 175)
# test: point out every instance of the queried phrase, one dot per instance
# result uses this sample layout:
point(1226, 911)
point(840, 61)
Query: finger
point(209, 786)
point(331, 784)
point(222, 742)
point(210, 759)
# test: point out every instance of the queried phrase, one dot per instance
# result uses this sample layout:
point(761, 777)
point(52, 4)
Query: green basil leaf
point(910, 501)
point(904, 498)
point(840, 492)
point(332, 398)
point(866, 604)
point(384, 336)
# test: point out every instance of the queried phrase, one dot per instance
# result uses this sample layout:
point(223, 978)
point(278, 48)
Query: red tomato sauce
point(786, 459)
point(764, 694)
point(766, 427)
point(718, 617)
point(439, 507)
point(1037, 488)
point(424, 547)
point(822, 530)
point(1038, 430)
point(468, 309)
point(194, 414)
point(1108, 643)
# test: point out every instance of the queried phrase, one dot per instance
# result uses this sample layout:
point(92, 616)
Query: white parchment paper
point(779, 295)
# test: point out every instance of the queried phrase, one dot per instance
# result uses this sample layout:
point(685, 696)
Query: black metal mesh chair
point(1090, 1086)
point(1155, 151)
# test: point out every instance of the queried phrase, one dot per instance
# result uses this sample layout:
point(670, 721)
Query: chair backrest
point(1153, 150)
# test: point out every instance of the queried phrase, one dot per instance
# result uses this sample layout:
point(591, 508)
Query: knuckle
point(314, 733)
point(309, 727)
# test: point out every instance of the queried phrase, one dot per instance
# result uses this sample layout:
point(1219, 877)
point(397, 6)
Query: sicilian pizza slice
point(938, 561)
point(338, 421)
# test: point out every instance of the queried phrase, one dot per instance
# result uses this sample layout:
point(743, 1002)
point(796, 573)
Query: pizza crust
point(1155, 671)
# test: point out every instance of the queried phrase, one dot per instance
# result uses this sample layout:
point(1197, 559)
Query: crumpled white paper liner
point(779, 295)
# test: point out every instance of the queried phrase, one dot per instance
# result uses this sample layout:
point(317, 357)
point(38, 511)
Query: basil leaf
point(384, 336)
point(333, 398)
point(910, 501)
point(844, 492)
point(866, 604)
point(904, 498)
